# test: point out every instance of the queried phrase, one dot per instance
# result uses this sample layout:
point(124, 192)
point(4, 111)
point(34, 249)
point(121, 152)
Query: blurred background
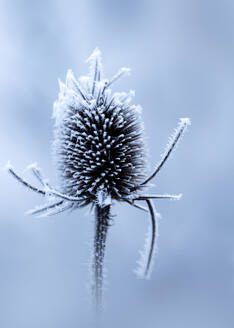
point(182, 58)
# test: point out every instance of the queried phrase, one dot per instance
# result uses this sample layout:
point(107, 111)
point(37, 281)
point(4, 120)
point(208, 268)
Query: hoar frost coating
point(98, 142)
point(100, 152)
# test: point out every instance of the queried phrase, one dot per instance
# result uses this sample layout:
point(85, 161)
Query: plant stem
point(102, 218)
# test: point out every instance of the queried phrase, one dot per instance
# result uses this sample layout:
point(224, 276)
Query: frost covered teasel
point(99, 150)
point(98, 138)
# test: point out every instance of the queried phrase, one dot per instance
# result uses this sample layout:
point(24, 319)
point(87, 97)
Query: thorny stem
point(120, 73)
point(78, 88)
point(184, 122)
point(37, 172)
point(136, 205)
point(154, 235)
point(144, 197)
point(102, 218)
point(44, 192)
point(26, 184)
point(96, 73)
point(44, 208)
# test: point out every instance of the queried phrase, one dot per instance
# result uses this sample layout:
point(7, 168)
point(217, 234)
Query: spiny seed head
point(98, 144)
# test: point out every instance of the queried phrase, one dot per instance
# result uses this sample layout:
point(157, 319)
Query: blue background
point(182, 58)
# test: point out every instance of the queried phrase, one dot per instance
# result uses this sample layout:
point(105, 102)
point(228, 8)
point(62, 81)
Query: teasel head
point(100, 153)
point(99, 145)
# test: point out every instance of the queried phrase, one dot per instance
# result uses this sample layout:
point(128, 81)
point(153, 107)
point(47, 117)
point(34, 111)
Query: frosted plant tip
point(95, 54)
point(178, 197)
point(32, 166)
point(185, 121)
point(125, 70)
point(8, 166)
point(70, 74)
point(29, 212)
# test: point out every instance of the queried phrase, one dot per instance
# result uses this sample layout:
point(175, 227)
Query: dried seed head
point(98, 146)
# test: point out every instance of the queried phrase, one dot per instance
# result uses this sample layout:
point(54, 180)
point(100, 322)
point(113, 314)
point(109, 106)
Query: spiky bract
point(99, 147)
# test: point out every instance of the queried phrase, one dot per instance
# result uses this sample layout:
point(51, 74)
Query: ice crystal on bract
point(98, 144)
point(100, 155)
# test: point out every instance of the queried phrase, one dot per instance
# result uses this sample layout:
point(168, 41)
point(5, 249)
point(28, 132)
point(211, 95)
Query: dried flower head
point(100, 153)
point(98, 143)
